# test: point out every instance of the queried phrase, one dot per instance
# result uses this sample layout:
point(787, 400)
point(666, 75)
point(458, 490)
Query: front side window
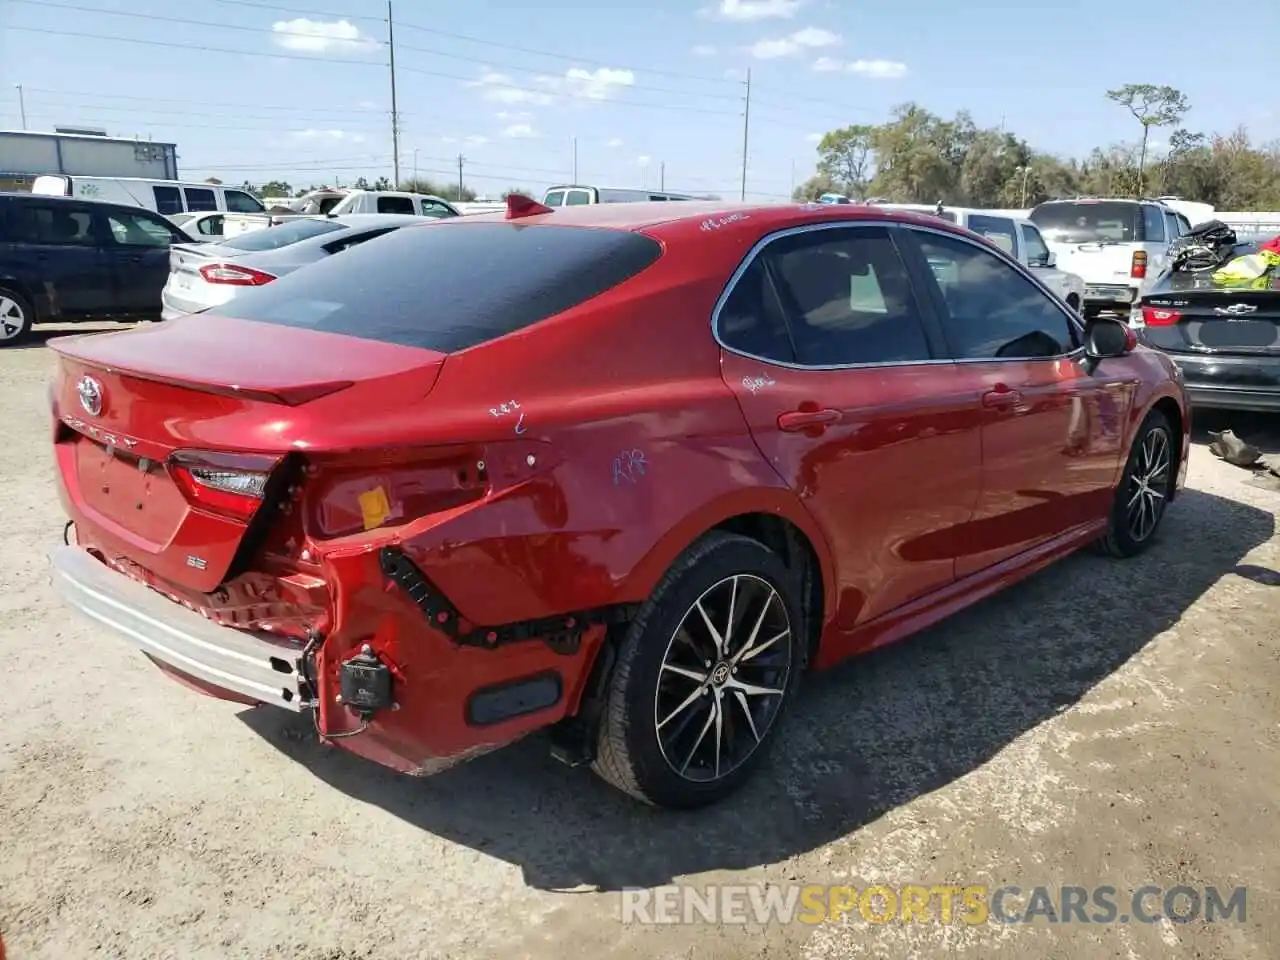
point(993, 312)
point(999, 230)
point(577, 198)
point(1037, 250)
point(848, 296)
point(436, 210)
point(138, 230)
point(200, 200)
point(240, 202)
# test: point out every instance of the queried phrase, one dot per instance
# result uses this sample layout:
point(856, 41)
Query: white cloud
point(514, 116)
point(596, 84)
point(327, 136)
point(519, 131)
point(814, 137)
point(643, 161)
point(476, 140)
point(875, 69)
point(704, 50)
point(576, 83)
point(321, 36)
point(807, 39)
point(749, 11)
point(367, 105)
point(615, 142)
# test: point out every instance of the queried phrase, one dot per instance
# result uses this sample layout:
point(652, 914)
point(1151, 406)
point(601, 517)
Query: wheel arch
point(771, 516)
point(1177, 417)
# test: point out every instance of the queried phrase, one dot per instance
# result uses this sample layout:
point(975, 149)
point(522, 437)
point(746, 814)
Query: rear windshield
point(447, 286)
point(273, 238)
point(1088, 221)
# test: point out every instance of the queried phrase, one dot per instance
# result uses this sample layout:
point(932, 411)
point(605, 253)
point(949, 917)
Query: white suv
point(1017, 237)
point(1114, 244)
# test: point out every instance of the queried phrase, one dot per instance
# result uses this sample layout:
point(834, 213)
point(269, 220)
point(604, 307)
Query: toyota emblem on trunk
point(90, 391)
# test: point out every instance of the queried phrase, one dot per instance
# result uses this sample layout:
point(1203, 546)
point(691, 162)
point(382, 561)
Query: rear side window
point(396, 205)
point(447, 287)
point(1152, 224)
point(848, 296)
point(200, 200)
point(52, 224)
point(168, 200)
point(1088, 221)
point(1171, 225)
point(273, 238)
point(751, 320)
point(433, 208)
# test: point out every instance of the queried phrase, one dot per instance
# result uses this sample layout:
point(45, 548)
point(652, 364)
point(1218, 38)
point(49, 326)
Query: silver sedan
point(204, 275)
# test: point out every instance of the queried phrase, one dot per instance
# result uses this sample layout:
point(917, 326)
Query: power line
point(301, 118)
point(306, 13)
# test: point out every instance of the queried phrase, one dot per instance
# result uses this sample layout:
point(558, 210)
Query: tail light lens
point(1159, 317)
point(236, 276)
point(228, 485)
point(1138, 268)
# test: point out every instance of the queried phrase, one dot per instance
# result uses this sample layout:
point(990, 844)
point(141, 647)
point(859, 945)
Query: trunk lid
point(1102, 263)
point(1190, 314)
point(241, 398)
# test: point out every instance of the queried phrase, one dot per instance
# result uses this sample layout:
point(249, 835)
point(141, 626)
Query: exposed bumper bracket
point(562, 633)
point(248, 664)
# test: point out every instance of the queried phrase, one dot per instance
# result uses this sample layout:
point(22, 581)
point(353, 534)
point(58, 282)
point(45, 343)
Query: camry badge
point(90, 391)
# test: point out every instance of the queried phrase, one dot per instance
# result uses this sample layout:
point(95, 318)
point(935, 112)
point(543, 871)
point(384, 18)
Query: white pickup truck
point(1016, 236)
point(337, 202)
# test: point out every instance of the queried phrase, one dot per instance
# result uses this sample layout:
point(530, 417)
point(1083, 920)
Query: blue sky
point(300, 89)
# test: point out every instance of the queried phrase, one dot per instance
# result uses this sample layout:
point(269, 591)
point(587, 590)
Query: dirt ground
point(1104, 723)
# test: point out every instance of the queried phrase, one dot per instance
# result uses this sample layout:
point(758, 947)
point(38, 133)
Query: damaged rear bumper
point(256, 668)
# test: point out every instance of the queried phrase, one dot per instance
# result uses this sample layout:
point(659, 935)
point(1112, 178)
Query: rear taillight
point(236, 276)
point(1159, 317)
point(1138, 268)
point(230, 485)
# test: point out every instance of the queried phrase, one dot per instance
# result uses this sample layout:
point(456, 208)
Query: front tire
point(703, 675)
point(16, 317)
point(1144, 490)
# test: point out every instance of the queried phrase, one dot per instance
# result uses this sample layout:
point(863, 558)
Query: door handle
point(1001, 396)
point(134, 258)
point(794, 421)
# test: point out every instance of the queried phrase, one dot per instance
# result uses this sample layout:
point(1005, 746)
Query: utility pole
point(793, 178)
point(395, 114)
point(460, 159)
point(415, 165)
point(573, 143)
point(662, 175)
point(746, 131)
point(22, 106)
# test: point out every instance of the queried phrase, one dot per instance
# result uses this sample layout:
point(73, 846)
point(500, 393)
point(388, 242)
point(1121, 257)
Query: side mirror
point(1105, 338)
point(1051, 260)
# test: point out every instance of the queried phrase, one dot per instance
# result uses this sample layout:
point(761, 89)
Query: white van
point(572, 195)
point(165, 197)
point(1115, 244)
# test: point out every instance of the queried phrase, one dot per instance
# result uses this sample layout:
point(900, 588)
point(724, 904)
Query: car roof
point(709, 216)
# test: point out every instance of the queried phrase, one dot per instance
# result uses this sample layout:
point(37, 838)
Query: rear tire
point(703, 675)
point(1145, 487)
point(17, 316)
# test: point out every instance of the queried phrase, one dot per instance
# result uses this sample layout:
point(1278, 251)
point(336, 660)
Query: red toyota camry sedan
point(623, 471)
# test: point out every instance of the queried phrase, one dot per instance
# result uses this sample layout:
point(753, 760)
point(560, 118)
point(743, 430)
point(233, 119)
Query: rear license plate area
point(1224, 334)
point(133, 492)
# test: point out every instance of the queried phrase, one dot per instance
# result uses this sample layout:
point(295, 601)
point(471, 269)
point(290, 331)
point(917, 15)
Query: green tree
point(846, 158)
point(518, 191)
point(275, 188)
point(1152, 106)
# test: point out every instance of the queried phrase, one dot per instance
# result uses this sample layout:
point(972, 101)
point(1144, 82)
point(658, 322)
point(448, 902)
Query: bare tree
point(1151, 106)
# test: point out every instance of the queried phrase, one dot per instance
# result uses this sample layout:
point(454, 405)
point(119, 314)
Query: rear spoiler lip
point(291, 395)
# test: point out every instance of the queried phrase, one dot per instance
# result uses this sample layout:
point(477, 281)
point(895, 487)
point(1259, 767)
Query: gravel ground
point(1103, 723)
